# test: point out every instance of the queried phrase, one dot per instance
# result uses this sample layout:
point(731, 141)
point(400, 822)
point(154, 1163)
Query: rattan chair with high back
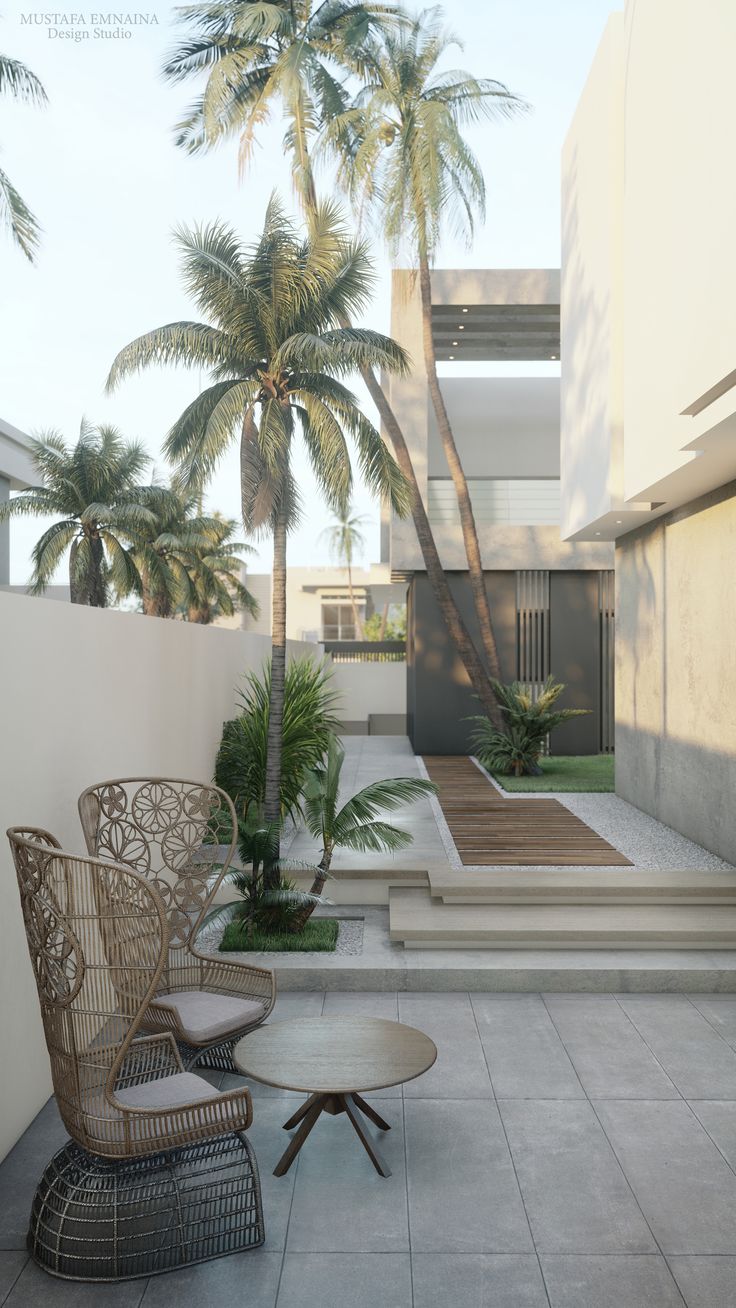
point(158, 826)
point(158, 1172)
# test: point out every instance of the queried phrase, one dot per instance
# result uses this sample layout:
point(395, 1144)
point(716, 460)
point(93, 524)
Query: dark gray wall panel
point(575, 657)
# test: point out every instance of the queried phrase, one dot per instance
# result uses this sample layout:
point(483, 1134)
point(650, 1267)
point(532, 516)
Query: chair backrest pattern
point(158, 826)
point(96, 936)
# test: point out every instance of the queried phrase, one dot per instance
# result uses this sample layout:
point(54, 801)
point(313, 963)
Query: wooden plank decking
point(490, 830)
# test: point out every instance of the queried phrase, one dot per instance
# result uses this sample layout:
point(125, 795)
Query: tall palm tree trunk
point(477, 674)
point(459, 634)
point(272, 805)
point(459, 480)
point(90, 588)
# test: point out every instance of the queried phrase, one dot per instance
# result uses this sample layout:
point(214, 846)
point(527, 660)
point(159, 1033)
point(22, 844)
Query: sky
point(99, 168)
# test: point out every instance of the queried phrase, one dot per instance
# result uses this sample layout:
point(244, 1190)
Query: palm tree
point(19, 82)
point(254, 55)
point(214, 567)
point(93, 485)
point(292, 52)
point(276, 359)
point(345, 538)
point(403, 156)
point(188, 560)
point(357, 824)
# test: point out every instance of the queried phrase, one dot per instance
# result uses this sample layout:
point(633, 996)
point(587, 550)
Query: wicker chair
point(158, 826)
point(158, 1172)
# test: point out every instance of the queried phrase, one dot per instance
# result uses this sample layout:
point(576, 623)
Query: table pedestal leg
point(310, 1111)
point(351, 1108)
point(310, 1117)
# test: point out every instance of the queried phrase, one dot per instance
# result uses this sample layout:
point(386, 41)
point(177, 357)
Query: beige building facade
point(648, 394)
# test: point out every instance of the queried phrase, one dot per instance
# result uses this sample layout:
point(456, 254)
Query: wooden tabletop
point(334, 1054)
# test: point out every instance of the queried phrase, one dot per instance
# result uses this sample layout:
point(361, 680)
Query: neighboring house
point(551, 600)
point(649, 395)
point(17, 472)
point(318, 606)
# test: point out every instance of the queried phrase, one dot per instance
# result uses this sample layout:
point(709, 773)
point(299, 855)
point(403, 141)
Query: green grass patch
point(573, 772)
point(320, 934)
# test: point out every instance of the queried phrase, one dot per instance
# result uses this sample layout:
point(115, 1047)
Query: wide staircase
point(524, 908)
point(536, 877)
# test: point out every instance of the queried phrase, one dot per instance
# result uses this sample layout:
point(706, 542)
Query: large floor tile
point(269, 1140)
point(613, 1281)
point(463, 1194)
point(297, 1003)
point(686, 1190)
point(697, 1060)
point(706, 1282)
point(36, 1289)
point(362, 1003)
point(460, 1071)
point(477, 1281)
point(341, 1204)
point(719, 1120)
point(335, 1281)
point(720, 1011)
point(576, 1197)
point(525, 1055)
point(247, 1278)
point(610, 1057)
point(12, 1262)
point(21, 1171)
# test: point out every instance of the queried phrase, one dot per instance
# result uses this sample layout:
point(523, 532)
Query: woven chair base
point(97, 1220)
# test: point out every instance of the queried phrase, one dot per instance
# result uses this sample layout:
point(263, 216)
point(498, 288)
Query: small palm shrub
point(528, 722)
point(357, 824)
point(266, 899)
point(309, 703)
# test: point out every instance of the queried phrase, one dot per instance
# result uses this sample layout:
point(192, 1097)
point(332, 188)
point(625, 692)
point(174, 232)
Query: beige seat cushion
point(167, 1092)
point(204, 1017)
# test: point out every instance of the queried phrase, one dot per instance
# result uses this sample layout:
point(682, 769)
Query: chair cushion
point(204, 1017)
point(167, 1092)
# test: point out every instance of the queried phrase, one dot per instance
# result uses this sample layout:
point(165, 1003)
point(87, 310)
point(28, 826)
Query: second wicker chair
point(158, 826)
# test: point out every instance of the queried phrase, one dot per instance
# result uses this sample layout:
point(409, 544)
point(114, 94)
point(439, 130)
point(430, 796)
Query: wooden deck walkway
point(490, 830)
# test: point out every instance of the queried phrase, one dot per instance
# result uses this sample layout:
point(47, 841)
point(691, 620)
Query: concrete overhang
point(486, 315)
point(16, 459)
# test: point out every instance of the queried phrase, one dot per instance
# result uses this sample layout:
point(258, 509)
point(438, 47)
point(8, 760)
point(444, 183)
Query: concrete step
point(421, 923)
point(578, 886)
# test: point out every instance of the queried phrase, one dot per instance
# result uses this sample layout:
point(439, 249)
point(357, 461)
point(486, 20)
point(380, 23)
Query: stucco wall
point(89, 694)
point(676, 671)
point(591, 293)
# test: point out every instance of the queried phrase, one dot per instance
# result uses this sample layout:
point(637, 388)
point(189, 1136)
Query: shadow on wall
point(584, 391)
point(676, 668)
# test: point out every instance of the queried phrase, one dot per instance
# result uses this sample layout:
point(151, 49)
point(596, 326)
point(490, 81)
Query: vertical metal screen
point(532, 625)
point(606, 612)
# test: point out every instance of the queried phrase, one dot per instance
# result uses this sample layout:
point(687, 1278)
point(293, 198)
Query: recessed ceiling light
point(465, 311)
point(454, 342)
point(452, 356)
point(619, 521)
point(553, 356)
point(597, 533)
point(460, 327)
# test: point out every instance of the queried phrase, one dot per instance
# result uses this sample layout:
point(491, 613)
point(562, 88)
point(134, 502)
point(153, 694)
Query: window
point(338, 622)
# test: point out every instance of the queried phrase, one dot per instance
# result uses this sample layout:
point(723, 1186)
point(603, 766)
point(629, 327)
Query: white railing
point(515, 501)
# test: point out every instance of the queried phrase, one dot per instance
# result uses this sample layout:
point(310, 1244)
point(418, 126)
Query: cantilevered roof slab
point(494, 314)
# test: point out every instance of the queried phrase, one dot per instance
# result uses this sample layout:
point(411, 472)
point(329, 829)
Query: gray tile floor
point(567, 1150)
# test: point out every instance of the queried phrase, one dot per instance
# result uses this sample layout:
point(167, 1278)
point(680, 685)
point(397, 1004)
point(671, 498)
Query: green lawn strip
point(566, 773)
point(319, 934)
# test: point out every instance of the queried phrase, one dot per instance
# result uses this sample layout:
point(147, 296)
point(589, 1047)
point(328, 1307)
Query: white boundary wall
point(89, 694)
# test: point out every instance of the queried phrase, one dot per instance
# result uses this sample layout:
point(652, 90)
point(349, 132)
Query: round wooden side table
point(333, 1060)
